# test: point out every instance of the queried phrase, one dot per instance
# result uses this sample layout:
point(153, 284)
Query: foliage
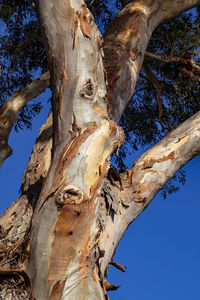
point(22, 54)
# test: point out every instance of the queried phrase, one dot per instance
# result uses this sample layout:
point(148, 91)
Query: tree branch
point(16, 220)
point(148, 175)
point(125, 43)
point(9, 110)
point(174, 59)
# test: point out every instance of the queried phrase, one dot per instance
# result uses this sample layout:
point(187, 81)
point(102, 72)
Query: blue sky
point(161, 249)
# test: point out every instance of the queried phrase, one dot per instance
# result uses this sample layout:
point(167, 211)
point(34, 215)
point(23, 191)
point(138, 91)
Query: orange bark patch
point(95, 187)
point(130, 173)
point(68, 154)
point(57, 290)
point(84, 23)
point(134, 53)
point(109, 108)
point(71, 233)
point(85, 258)
point(149, 163)
point(99, 110)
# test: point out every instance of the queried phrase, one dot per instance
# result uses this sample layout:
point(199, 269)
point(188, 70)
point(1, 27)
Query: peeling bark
point(148, 175)
point(80, 126)
point(15, 223)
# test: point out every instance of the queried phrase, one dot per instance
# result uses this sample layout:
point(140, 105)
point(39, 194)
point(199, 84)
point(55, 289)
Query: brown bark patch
point(85, 258)
point(57, 290)
point(70, 236)
point(95, 187)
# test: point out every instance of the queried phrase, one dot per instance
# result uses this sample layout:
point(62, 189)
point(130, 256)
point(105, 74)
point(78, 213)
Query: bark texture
point(63, 260)
point(15, 223)
point(75, 207)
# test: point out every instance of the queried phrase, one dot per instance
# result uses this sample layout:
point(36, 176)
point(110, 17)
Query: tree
point(75, 207)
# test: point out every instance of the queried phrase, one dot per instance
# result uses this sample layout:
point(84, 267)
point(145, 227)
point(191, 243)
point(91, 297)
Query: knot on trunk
point(87, 90)
point(70, 195)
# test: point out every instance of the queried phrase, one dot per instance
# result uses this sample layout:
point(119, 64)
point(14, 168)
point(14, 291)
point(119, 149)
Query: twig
point(118, 266)
point(187, 62)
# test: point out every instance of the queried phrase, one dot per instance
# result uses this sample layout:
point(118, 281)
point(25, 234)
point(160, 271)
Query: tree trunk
point(76, 207)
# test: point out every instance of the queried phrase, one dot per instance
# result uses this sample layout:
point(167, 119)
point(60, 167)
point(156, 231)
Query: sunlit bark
point(124, 51)
point(68, 265)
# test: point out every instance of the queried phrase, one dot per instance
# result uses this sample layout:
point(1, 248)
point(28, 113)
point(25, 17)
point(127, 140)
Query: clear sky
point(161, 249)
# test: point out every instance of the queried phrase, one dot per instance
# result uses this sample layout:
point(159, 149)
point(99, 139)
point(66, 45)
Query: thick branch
point(9, 111)
point(15, 223)
point(125, 44)
point(148, 175)
point(172, 8)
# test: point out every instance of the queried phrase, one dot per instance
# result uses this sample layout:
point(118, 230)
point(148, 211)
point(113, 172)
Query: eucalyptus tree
point(59, 237)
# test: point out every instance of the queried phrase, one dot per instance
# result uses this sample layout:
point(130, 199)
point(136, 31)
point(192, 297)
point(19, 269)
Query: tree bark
point(68, 199)
point(76, 214)
point(124, 51)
